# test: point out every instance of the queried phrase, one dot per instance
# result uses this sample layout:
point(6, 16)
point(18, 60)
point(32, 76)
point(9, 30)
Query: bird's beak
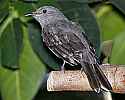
point(33, 13)
point(29, 14)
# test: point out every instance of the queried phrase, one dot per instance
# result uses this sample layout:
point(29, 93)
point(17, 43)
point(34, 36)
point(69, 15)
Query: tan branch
point(75, 81)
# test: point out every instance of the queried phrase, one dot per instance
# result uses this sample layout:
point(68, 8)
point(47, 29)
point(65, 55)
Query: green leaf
point(45, 3)
point(118, 50)
point(111, 22)
point(37, 43)
point(22, 84)
point(30, 1)
point(81, 1)
point(29, 6)
point(3, 15)
point(3, 9)
point(120, 4)
point(81, 13)
point(4, 4)
point(11, 42)
point(0, 58)
point(23, 8)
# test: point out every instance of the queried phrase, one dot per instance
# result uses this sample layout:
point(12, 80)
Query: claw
point(97, 90)
point(81, 70)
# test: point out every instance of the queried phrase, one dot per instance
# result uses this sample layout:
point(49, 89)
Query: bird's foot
point(97, 90)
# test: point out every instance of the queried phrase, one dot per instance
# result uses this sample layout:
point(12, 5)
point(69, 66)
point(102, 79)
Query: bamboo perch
point(75, 81)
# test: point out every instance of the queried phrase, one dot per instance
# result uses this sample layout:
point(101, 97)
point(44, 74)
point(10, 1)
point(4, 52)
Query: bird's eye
point(44, 11)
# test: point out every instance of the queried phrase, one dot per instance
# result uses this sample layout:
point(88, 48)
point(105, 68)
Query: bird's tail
point(103, 79)
point(95, 77)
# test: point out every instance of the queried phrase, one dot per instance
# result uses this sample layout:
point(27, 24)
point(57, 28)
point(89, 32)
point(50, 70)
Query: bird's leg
point(62, 67)
point(82, 69)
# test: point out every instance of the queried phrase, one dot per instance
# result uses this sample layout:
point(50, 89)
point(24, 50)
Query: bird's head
point(47, 14)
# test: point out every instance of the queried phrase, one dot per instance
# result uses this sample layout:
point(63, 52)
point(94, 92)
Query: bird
point(69, 42)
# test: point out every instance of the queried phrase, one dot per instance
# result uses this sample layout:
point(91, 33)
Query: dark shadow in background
point(0, 97)
point(118, 96)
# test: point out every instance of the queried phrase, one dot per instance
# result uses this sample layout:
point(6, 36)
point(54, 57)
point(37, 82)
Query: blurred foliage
point(24, 59)
point(111, 22)
point(118, 50)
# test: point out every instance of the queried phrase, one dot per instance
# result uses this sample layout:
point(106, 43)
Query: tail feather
point(95, 76)
point(92, 76)
point(103, 79)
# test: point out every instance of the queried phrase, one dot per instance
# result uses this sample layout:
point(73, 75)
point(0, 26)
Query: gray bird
point(68, 41)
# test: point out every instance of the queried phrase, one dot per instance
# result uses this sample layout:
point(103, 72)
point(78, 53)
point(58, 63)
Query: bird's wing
point(68, 38)
point(78, 41)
